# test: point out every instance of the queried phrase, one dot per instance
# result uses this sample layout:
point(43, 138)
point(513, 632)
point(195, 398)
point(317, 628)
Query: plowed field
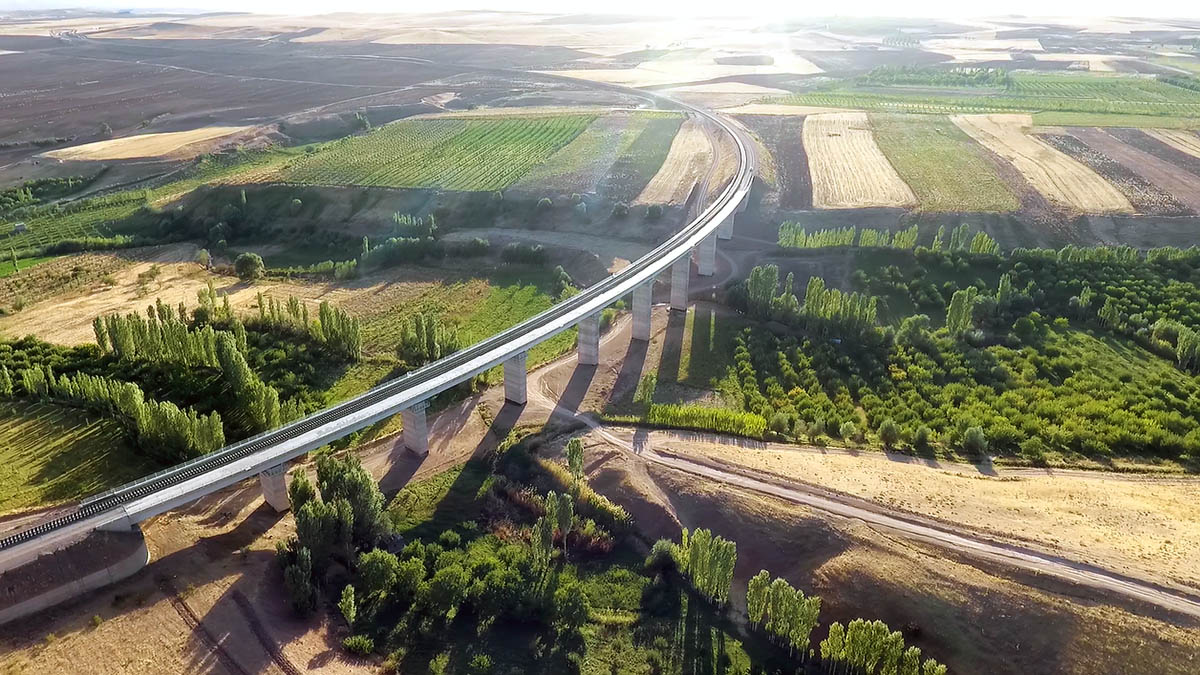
point(1181, 185)
point(1145, 196)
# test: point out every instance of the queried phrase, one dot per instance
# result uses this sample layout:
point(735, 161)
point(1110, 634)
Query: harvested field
point(1068, 185)
point(517, 111)
point(1146, 197)
point(685, 163)
point(726, 164)
point(848, 169)
point(780, 109)
point(1184, 141)
point(1181, 185)
point(580, 165)
point(945, 168)
point(1161, 149)
point(145, 146)
point(784, 136)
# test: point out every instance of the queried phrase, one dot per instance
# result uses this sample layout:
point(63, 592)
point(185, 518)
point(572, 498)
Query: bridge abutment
point(416, 429)
point(706, 256)
point(274, 487)
point(641, 311)
point(681, 270)
point(515, 379)
point(589, 340)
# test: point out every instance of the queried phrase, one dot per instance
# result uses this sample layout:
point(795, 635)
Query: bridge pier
point(589, 340)
point(274, 487)
point(706, 256)
point(641, 311)
point(725, 229)
point(681, 270)
point(515, 379)
point(416, 429)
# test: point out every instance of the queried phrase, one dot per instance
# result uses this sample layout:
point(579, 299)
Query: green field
point(581, 164)
point(1074, 119)
point(944, 167)
point(1188, 63)
point(53, 454)
point(475, 154)
point(638, 164)
point(7, 269)
point(1112, 95)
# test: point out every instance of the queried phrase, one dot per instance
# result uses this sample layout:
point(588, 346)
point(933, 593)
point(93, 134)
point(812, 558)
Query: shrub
point(707, 419)
point(847, 431)
point(249, 266)
point(889, 433)
point(662, 557)
point(1034, 450)
point(96, 620)
point(922, 437)
point(654, 212)
point(360, 645)
point(974, 441)
point(620, 210)
point(481, 664)
point(450, 539)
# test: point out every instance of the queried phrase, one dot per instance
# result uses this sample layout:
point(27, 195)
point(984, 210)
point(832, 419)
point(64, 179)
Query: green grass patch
point(943, 166)
point(1188, 63)
point(473, 155)
point(1073, 119)
point(581, 164)
point(7, 269)
point(53, 454)
point(426, 508)
point(707, 348)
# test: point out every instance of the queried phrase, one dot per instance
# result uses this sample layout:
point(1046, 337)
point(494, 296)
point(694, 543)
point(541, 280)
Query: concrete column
point(681, 270)
point(641, 311)
point(515, 377)
point(416, 429)
point(706, 256)
point(725, 229)
point(274, 487)
point(589, 341)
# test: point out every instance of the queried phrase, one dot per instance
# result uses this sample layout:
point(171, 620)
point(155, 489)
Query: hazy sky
point(928, 8)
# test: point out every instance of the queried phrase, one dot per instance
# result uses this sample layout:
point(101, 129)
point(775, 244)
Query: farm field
point(468, 154)
point(848, 168)
point(784, 135)
point(1146, 197)
point(1161, 149)
point(685, 163)
point(1027, 93)
point(580, 165)
point(1181, 185)
point(7, 268)
point(1184, 141)
point(53, 454)
point(945, 168)
point(638, 166)
point(142, 146)
point(1074, 119)
point(1066, 183)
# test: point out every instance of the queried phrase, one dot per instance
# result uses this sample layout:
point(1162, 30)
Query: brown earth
point(784, 136)
point(1159, 148)
point(1183, 186)
point(686, 162)
point(1146, 197)
point(182, 144)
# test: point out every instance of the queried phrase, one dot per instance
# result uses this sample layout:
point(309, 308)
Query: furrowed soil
point(1183, 186)
point(784, 137)
point(685, 163)
point(1066, 183)
point(1146, 197)
point(1167, 152)
point(848, 169)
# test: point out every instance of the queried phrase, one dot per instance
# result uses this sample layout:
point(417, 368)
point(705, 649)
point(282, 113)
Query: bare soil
point(1181, 185)
point(1145, 196)
point(686, 162)
point(784, 136)
point(141, 146)
point(1157, 147)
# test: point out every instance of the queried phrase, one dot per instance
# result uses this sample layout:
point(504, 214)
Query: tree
point(974, 441)
point(348, 606)
point(575, 460)
point(346, 479)
point(570, 609)
point(378, 571)
point(6, 383)
point(756, 596)
point(301, 490)
point(249, 266)
point(889, 433)
point(297, 578)
point(654, 212)
point(564, 511)
point(203, 257)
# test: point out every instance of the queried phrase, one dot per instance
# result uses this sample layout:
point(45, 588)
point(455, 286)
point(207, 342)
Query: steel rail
point(431, 379)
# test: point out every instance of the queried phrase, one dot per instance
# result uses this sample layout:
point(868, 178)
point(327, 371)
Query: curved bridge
point(267, 454)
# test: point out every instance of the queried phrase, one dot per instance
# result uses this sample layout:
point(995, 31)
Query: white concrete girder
point(725, 229)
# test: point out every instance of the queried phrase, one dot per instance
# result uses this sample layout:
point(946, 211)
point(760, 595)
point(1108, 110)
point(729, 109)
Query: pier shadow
point(577, 388)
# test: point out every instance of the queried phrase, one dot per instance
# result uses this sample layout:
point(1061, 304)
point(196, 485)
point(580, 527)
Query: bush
point(249, 266)
point(360, 645)
point(974, 441)
point(662, 558)
point(481, 664)
point(620, 210)
point(847, 431)
point(1034, 450)
point(654, 212)
point(922, 437)
point(889, 433)
point(705, 418)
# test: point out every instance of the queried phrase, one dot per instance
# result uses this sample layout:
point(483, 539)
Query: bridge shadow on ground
point(672, 348)
point(629, 375)
point(576, 389)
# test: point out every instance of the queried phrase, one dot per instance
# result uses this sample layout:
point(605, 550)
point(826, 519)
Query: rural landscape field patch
point(580, 165)
point(142, 145)
point(1182, 186)
point(1064, 181)
point(848, 169)
point(454, 154)
point(1141, 193)
point(945, 168)
point(1184, 141)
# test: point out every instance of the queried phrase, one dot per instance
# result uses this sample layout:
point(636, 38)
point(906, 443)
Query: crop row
point(477, 154)
point(951, 104)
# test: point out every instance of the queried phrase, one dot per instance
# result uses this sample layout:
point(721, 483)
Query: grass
point(707, 346)
point(580, 164)
point(638, 164)
point(426, 508)
point(1188, 63)
point(7, 269)
point(944, 167)
point(472, 155)
point(1075, 119)
point(53, 454)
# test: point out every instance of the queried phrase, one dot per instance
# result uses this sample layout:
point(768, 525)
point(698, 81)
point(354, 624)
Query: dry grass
point(848, 169)
point(1184, 141)
point(1064, 181)
point(143, 146)
point(1118, 522)
point(686, 163)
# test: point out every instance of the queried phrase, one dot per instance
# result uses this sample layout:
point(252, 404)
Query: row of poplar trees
point(708, 562)
point(337, 330)
point(160, 428)
point(162, 337)
point(425, 338)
